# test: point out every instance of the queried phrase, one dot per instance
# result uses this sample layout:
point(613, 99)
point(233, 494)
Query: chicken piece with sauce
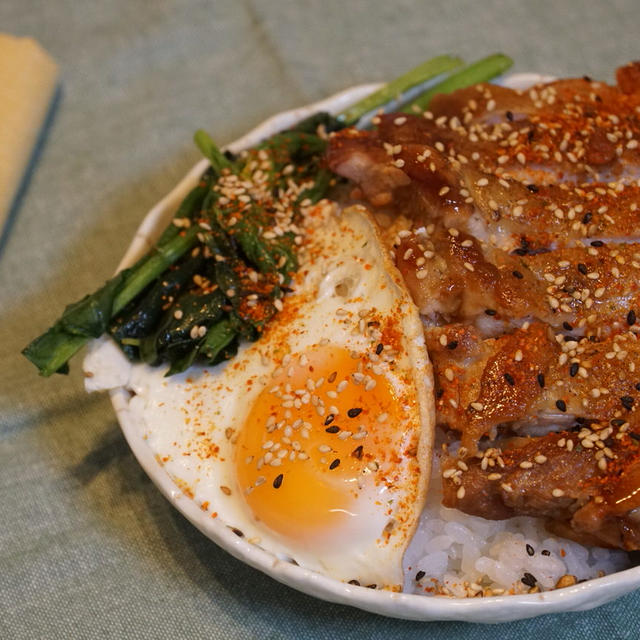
point(521, 248)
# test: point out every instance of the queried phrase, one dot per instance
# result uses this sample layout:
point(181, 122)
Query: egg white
point(191, 421)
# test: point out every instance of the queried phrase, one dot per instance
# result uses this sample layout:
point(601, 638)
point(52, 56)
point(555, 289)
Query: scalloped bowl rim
point(582, 596)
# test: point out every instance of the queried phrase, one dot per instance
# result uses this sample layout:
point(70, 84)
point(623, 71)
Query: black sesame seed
point(528, 579)
point(509, 116)
point(452, 345)
point(567, 326)
point(573, 369)
point(545, 552)
point(541, 380)
point(530, 550)
point(490, 312)
point(627, 402)
point(329, 419)
point(597, 243)
point(509, 378)
point(237, 532)
point(631, 318)
point(516, 274)
point(569, 338)
point(372, 586)
point(586, 218)
point(582, 268)
point(277, 481)
point(379, 348)
point(617, 422)
point(355, 412)
point(357, 452)
point(635, 436)
point(333, 429)
point(420, 575)
point(532, 188)
point(334, 464)
point(354, 582)
point(638, 386)
point(562, 405)
point(521, 252)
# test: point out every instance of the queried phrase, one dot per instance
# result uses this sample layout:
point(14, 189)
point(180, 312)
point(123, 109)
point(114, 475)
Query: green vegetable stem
point(218, 272)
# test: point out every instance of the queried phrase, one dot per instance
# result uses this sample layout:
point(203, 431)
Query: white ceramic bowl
point(412, 607)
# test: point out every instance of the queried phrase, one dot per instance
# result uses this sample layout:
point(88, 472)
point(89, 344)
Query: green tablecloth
point(88, 546)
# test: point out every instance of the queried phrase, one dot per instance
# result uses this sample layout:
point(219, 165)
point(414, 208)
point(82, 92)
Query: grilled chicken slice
point(428, 185)
point(455, 278)
point(583, 482)
point(574, 129)
point(451, 277)
point(531, 377)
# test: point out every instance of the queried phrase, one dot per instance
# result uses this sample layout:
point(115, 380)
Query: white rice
point(463, 555)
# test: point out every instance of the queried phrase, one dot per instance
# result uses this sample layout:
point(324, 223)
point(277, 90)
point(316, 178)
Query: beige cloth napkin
point(28, 79)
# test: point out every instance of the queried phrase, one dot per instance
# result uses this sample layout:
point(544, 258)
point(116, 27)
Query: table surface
point(88, 547)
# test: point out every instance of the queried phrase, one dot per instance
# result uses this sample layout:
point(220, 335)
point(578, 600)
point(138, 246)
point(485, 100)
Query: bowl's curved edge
point(580, 597)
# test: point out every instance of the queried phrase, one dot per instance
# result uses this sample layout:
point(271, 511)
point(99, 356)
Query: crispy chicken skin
point(514, 217)
point(538, 477)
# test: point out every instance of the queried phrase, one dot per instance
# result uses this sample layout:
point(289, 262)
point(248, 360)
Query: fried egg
point(315, 441)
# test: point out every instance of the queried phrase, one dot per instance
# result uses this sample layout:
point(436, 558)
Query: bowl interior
point(582, 596)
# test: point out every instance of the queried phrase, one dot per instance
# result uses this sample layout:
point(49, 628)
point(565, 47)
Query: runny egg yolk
point(312, 454)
